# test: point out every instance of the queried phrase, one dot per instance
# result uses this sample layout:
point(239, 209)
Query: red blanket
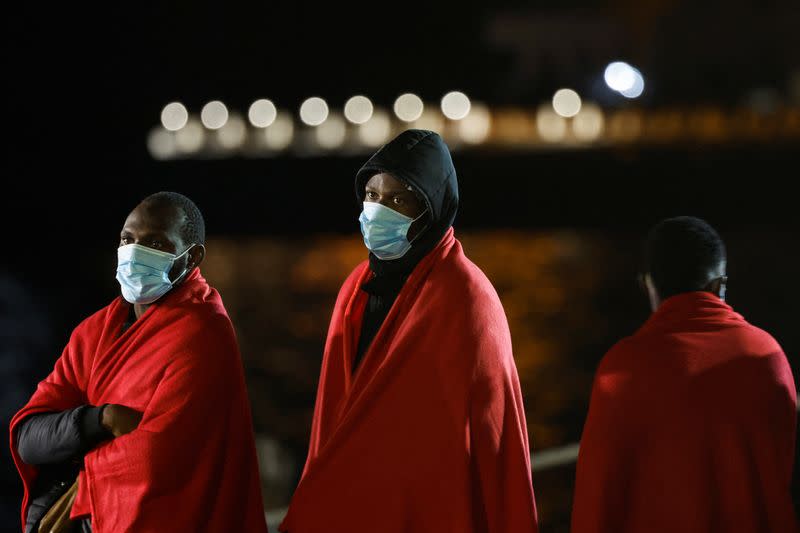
point(191, 463)
point(429, 435)
point(691, 428)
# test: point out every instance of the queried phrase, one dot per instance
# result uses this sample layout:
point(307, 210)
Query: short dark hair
point(682, 254)
point(193, 229)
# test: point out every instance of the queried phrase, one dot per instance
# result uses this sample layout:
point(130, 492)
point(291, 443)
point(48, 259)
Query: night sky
point(85, 86)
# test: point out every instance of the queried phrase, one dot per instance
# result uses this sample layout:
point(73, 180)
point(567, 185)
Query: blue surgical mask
point(143, 273)
point(385, 230)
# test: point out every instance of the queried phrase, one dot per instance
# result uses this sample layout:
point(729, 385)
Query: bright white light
point(358, 109)
point(314, 111)
point(430, 120)
point(408, 107)
point(589, 123)
point(161, 143)
point(376, 130)
point(550, 125)
point(566, 102)
point(214, 115)
point(280, 133)
point(191, 137)
point(620, 76)
point(331, 133)
point(637, 88)
point(455, 105)
point(233, 134)
point(174, 116)
point(262, 113)
point(474, 128)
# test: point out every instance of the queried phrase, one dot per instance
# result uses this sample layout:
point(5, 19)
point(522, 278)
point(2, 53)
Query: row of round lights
point(371, 125)
point(554, 124)
point(314, 111)
point(278, 132)
point(374, 125)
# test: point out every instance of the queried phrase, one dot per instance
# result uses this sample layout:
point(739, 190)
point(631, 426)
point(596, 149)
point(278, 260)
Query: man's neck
point(139, 309)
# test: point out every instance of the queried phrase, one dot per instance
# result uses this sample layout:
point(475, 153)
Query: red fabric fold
point(191, 463)
point(691, 428)
point(429, 434)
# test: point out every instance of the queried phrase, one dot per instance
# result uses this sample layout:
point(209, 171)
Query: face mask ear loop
point(723, 287)
point(427, 208)
point(420, 231)
point(185, 270)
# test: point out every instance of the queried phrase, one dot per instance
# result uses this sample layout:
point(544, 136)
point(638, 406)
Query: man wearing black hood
point(419, 424)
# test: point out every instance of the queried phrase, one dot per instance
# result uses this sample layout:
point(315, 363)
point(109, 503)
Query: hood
point(421, 159)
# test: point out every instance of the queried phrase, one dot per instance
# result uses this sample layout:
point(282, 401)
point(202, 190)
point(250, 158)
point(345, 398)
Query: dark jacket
point(56, 443)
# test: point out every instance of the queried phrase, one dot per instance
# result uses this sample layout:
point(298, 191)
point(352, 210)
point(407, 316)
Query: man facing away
point(691, 425)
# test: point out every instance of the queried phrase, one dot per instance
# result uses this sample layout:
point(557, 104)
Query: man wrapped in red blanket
point(147, 405)
point(419, 424)
point(691, 425)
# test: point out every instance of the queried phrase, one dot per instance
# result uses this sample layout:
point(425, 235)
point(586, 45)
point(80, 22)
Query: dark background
point(85, 85)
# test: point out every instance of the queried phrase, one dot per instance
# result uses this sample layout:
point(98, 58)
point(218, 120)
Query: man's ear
point(652, 292)
point(196, 256)
point(718, 286)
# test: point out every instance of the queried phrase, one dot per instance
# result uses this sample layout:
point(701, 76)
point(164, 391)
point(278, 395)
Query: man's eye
point(155, 244)
point(124, 240)
point(398, 201)
point(371, 195)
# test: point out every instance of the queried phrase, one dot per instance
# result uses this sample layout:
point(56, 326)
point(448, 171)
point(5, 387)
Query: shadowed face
point(159, 227)
point(390, 192)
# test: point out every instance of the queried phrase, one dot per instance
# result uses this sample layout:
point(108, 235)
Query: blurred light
point(314, 111)
point(474, 128)
point(624, 125)
point(550, 126)
point(588, 124)
point(331, 133)
point(161, 143)
point(566, 102)
point(665, 126)
point(376, 130)
point(191, 137)
point(791, 121)
point(214, 115)
point(233, 134)
point(262, 113)
point(358, 109)
point(174, 116)
point(707, 124)
point(455, 105)
point(637, 88)
point(408, 107)
point(513, 126)
point(430, 120)
point(620, 76)
point(280, 133)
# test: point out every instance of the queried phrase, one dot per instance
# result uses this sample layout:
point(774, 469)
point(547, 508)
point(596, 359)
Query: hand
point(120, 420)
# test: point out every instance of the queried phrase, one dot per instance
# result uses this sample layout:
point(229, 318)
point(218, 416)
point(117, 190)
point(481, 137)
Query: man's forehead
point(388, 182)
point(162, 218)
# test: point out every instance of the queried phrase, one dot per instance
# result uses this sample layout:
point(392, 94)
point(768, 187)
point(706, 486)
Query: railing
point(542, 460)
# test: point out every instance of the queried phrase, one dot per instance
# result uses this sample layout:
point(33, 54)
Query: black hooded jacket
point(422, 160)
